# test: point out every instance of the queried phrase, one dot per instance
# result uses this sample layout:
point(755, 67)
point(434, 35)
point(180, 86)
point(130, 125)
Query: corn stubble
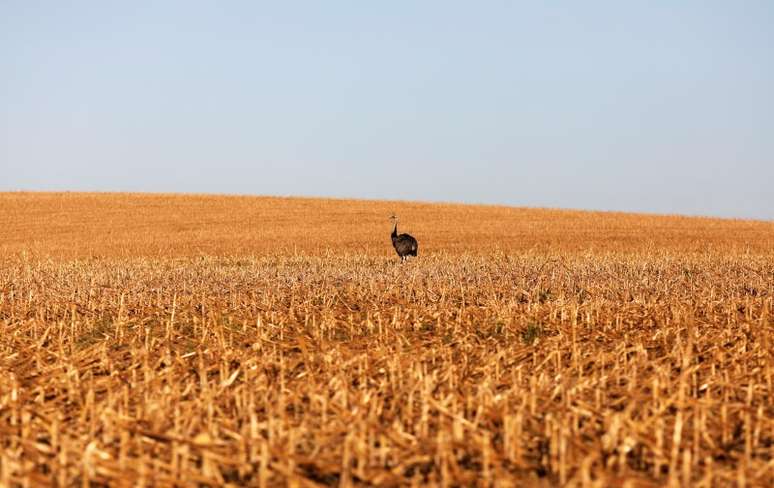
point(490, 365)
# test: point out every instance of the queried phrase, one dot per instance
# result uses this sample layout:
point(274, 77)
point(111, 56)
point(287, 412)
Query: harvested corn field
point(182, 340)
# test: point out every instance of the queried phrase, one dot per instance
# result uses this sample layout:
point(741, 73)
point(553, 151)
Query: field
point(174, 340)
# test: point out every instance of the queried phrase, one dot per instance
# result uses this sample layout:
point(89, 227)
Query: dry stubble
point(175, 339)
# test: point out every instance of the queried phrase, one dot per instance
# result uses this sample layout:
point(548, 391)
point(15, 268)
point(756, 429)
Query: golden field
point(188, 340)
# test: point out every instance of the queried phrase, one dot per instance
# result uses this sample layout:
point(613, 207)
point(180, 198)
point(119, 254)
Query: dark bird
point(404, 244)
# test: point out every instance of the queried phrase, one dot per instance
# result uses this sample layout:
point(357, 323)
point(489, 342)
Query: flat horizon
point(387, 200)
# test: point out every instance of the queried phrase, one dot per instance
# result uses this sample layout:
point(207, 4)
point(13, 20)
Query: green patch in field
point(544, 295)
point(531, 333)
point(101, 331)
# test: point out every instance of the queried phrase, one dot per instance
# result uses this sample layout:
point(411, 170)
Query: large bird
point(404, 244)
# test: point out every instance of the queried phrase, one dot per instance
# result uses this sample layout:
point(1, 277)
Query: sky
point(651, 106)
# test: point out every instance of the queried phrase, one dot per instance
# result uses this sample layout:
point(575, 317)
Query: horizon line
point(390, 200)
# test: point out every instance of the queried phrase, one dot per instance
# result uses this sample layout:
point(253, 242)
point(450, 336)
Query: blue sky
point(656, 106)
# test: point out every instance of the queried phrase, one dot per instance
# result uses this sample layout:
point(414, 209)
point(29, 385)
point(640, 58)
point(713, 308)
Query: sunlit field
point(176, 340)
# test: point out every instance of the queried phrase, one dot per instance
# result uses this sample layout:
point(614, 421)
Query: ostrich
point(404, 244)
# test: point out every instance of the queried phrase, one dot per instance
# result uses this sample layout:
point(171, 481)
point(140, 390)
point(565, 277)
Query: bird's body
point(404, 244)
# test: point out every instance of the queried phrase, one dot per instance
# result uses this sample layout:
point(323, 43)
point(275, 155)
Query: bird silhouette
point(404, 244)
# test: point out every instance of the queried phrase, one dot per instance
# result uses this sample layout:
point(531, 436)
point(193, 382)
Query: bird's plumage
point(404, 244)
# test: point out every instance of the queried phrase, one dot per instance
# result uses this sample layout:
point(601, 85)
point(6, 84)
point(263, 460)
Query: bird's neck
point(395, 230)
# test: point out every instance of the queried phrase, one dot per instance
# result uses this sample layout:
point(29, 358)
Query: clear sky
point(655, 106)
